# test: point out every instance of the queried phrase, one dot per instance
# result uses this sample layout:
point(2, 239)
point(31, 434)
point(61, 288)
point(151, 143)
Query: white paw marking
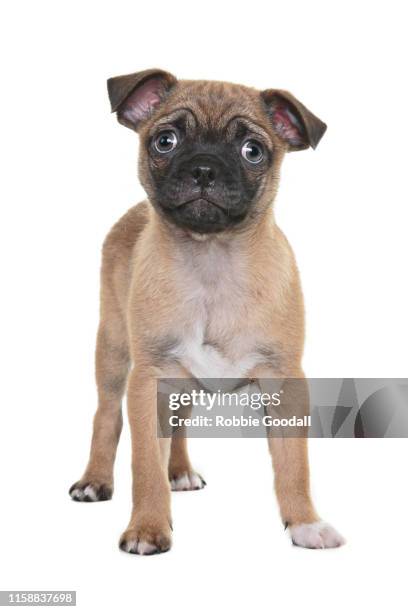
point(187, 482)
point(145, 548)
point(77, 494)
point(80, 494)
point(316, 535)
point(140, 548)
point(90, 492)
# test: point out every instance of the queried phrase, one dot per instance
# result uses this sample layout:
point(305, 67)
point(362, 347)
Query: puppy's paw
point(316, 535)
point(90, 491)
point(187, 481)
point(146, 539)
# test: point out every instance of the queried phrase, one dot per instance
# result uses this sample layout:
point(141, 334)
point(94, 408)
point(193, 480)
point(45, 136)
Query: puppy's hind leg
point(112, 366)
point(181, 474)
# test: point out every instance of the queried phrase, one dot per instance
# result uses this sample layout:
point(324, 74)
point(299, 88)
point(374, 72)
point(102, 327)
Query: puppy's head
point(210, 152)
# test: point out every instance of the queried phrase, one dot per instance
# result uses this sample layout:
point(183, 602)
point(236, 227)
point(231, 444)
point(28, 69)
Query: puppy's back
point(117, 255)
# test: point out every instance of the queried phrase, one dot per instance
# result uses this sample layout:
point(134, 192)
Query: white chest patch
point(215, 280)
point(206, 361)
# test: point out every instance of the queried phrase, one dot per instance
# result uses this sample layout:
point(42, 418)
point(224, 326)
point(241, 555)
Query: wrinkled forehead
point(214, 106)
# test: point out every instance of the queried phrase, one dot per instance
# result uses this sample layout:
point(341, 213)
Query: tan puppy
point(198, 281)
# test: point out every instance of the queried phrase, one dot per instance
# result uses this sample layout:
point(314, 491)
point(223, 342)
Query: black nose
point(203, 175)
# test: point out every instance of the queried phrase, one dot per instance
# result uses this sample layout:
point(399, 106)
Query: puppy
point(198, 281)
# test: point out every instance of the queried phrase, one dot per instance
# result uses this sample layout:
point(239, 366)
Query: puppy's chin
point(202, 217)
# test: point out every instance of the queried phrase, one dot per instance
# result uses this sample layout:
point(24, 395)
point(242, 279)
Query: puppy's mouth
point(201, 203)
point(201, 215)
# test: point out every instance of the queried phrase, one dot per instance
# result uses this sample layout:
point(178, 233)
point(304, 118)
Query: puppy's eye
point(166, 141)
point(252, 151)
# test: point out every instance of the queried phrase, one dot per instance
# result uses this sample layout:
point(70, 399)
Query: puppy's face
point(207, 158)
point(210, 152)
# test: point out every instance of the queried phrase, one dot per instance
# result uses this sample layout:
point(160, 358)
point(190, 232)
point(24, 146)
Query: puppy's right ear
point(135, 96)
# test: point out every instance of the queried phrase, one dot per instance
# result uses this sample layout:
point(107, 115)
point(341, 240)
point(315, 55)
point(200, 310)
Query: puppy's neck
point(242, 238)
point(214, 261)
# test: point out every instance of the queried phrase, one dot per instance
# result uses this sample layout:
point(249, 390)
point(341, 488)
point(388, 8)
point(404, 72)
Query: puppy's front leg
point(149, 530)
point(291, 467)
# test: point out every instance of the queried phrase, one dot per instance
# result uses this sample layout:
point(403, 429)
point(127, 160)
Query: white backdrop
point(69, 171)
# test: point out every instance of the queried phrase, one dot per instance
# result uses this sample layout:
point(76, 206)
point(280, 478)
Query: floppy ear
point(292, 121)
point(135, 96)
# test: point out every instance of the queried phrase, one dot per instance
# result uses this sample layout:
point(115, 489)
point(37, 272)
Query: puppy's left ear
point(292, 121)
point(135, 96)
